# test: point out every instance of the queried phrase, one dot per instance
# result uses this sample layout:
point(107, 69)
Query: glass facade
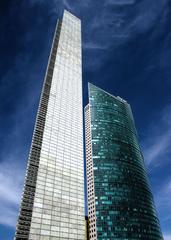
point(120, 203)
point(52, 205)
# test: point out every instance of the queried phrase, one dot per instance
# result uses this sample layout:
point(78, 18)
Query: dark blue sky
point(126, 51)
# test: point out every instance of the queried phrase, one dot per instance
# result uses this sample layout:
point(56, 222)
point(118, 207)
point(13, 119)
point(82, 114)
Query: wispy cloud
point(147, 17)
point(167, 236)
point(156, 149)
point(162, 201)
point(19, 90)
point(114, 27)
point(156, 144)
point(93, 46)
point(11, 178)
point(75, 4)
point(120, 2)
point(163, 198)
point(14, 138)
point(160, 145)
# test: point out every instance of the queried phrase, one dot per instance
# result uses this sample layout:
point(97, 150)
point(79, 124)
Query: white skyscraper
point(52, 205)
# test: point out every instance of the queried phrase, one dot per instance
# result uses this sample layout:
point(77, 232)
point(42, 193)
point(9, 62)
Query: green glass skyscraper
point(120, 202)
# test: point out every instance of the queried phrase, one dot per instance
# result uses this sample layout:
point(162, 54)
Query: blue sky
point(126, 51)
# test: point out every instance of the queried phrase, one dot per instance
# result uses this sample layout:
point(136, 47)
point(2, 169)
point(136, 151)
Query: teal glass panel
point(124, 202)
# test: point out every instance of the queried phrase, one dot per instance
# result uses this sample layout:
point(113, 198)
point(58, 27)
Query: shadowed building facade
point(120, 203)
point(52, 205)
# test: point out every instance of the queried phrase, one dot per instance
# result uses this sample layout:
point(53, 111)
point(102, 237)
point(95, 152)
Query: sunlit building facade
point(120, 203)
point(52, 205)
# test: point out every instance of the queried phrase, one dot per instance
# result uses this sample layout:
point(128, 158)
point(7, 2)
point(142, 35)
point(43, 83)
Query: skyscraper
point(52, 205)
point(120, 203)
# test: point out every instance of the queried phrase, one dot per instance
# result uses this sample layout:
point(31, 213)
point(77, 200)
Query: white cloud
point(119, 26)
point(168, 187)
point(165, 196)
point(156, 144)
point(109, 28)
point(70, 4)
point(11, 178)
point(159, 146)
point(120, 2)
point(156, 149)
point(67, 4)
point(162, 200)
point(8, 216)
point(93, 45)
point(167, 236)
point(14, 138)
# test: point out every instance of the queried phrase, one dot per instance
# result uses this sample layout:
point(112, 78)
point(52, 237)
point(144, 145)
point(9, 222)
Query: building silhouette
point(52, 205)
point(120, 202)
